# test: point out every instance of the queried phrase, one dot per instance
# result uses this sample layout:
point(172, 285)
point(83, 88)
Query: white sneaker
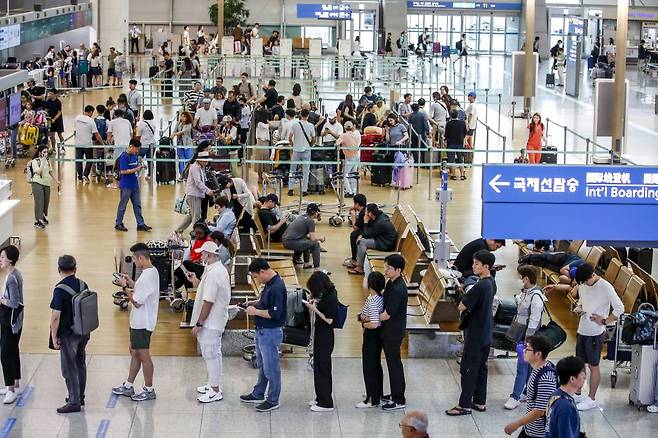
point(316, 408)
point(203, 389)
point(365, 405)
point(579, 398)
point(511, 404)
point(4, 390)
point(523, 398)
point(587, 404)
point(10, 397)
point(210, 396)
point(312, 403)
point(653, 409)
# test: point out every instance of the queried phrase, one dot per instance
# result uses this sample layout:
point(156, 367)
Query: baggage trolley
point(618, 351)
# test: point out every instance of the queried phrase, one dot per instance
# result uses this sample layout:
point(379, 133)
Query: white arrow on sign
point(494, 183)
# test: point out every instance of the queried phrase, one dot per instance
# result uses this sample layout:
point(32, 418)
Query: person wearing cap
point(368, 117)
point(225, 221)
point(300, 237)
point(274, 226)
point(302, 136)
point(349, 142)
point(471, 119)
point(420, 129)
point(228, 132)
point(134, 98)
point(380, 109)
point(205, 119)
point(331, 130)
point(195, 190)
point(209, 317)
point(129, 167)
point(191, 98)
point(144, 296)
point(232, 106)
point(414, 425)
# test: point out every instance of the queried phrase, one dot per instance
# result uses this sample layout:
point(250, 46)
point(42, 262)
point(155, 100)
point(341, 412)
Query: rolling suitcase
point(644, 360)
point(499, 338)
point(548, 158)
point(506, 312)
point(381, 175)
point(642, 256)
point(590, 62)
point(153, 71)
point(550, 79)
point(316, 179)
point(165, 171)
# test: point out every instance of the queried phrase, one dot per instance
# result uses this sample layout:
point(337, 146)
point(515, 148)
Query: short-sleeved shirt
point(302, 135)
point(274, 298)
point(122, 131)
point(147, 294)
point(85, 127)
point(206, 117)
point(360, 219)
point(539, 392)
point(472, 109)
point(147, 132)
point(396, 133)
point(395, 304)
point(37, 90)
point(54, 106)
point(134, 99)
point(62, 301)
point(127, 162)
point(563, 420)
point(328, 306)
point(464, 260)
point(271, 95)
point(372, 308)
point(267, 219)
point(455, 132)
point(214, 287)
point(299, 228)
point(478, 301)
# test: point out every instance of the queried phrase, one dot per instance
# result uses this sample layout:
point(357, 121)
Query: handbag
point(341, 316)
point(517, 330)
point(180, 206)
point(9, 315)
point(552, 331)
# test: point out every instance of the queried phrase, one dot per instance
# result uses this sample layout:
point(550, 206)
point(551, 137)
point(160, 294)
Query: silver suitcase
point(644, 360)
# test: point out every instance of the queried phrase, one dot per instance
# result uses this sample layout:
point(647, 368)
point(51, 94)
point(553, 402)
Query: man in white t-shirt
point(209, 317)
point(302, 136)
point(205, 117)
point(331, 130)
point(119, 132)
point(85, 131)
point(471, 119)
point(596, 297)
point(144, 297)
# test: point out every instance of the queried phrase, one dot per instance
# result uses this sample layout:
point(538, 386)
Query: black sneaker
point(39, 224)
point(266, 406)
point(67, 409)
point(305, 194)
point(392, 406)
point(144, 228)
point(386, 398)
point(44, 220)
point(297, 262)
point(82, 401)
point(290, 193)
point(249, 398)
point(120, 227)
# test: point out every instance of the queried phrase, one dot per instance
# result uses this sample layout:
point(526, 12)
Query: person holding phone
point(324, 303)
point(42, 177)
point(11, 323)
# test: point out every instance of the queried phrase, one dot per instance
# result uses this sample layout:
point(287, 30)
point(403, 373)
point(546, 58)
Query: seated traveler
point(357, 214)
point(193, 264)
point(464, 260)
point(300, 237)
point(274, 226)
point(378, 233)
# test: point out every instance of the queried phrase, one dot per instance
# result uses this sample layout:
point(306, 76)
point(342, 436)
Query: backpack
point(116, 170)
point(458, 45)
point(549, 368)
point(101, 127)
point(398, 43)
point(85, 308)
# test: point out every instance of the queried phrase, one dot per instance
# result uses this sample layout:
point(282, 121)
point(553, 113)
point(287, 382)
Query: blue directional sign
point(324, 11)
point(597, 203)
point(434, 4)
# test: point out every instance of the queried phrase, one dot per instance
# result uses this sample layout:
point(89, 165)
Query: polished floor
point(432, 386)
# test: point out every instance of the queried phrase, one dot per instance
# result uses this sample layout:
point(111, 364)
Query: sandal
point(453, 177)
point(463, 178)
point(354, 272)
point(458, 411)
point(480, 408)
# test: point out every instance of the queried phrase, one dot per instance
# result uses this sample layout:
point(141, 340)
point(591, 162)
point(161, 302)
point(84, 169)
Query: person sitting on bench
point(357, 213)
point(300, 237)
point(274, 226)
point(378, 233)
point(464, 260)
point(562, 262)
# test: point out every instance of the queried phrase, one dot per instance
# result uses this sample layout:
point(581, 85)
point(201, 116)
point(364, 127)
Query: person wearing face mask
point(42, 177)
point(554, 51)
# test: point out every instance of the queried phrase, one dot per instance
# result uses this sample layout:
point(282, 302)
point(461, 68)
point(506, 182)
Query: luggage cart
point(618, 351)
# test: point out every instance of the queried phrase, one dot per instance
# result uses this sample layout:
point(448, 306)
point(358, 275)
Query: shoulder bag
point(517, 330)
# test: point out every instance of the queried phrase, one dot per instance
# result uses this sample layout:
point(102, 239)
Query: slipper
point(480, 409)
point(458, 411)
point(454, 178)
point(354, 272)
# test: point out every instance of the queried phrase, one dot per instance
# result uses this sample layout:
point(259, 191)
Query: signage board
point(574, 48)
point(493, 6)
point(324, 11)
point(596, 203)
point(10, 36)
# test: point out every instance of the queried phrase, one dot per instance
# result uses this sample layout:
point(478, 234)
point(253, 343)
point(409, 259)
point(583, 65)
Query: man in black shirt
point(168, 74)
point(268, 219)
point(38, 94)
point(54, 109)
point(378, 233)
point(71, 346)
point(464, 260)
point(393, 329)
point(455, 134)
point(477, 322)
point(232, 107)
point(278, 110)
point(271, 95)
point(357, 213)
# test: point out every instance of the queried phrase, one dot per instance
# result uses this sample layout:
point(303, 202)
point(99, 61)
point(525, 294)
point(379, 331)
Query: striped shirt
point(192, 99)
point(544, 388)
point(373, 306)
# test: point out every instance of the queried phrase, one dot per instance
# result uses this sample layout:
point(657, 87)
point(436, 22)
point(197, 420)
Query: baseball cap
point(348, 125)
point(227, 119)
point(273, 197)
point(312, 208)
point(206, 101)
point(208, 246)
point(203, 156)
point(206, 90)
point(472, 94)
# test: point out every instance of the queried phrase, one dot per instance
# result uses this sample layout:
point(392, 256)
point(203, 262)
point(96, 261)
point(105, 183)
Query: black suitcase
point(506, 312)
point(300, 337)
point(550, 79)
point(548, 158)
point(643, 257)
point(153, 71)
point(499, 338)
point(165, 171)
point(316, 179)
point(381, 175)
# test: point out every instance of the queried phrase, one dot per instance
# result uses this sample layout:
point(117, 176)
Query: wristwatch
point(604, 321)
point(198, 324)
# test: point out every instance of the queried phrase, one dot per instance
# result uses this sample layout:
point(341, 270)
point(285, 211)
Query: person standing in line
point(439, 118)
point(185, 148)
point(455, 133)
point(85, 133)
point(420, 129)
point(129, 167)
point(195, 189)
point(535, 48)
point(209, 317)
point(388, 46)
point(11, 323)
point(349, 142)
point(403, 44)
point(324, 303)
point(71, 346)
point(535, 139)
point(471, 120)
point(371, 349)
point(53, 107)
point(541, 386)
point(302, 138)
point(134, 38)
point(562, 419)
point(119, 134)
point(393, 329)
point(134, 99)
point(270, 314)
point(146, 135)
point(597, 296)
point(476, 321)
point(144, 295)
point(42, 177)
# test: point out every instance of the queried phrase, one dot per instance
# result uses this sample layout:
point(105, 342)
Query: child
point(27, 116)
point(522, 159)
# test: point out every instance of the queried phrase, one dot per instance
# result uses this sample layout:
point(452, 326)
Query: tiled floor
point(432, 386)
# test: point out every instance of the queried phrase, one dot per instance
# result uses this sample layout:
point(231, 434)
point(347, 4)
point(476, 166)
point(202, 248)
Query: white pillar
point(111, 24)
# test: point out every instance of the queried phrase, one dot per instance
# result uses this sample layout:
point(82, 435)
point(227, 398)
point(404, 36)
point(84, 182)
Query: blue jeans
point(267, 360)
point(522, 373)
point(306, 168)
point(184, 155)
point(131, 195)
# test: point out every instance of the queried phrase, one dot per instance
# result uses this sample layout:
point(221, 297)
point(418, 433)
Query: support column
point(620, 79)
point(528, 84)
point(220, 20)
point(112, 24)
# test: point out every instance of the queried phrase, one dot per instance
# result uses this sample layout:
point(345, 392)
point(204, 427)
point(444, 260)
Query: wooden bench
point(421, 229)
point(424, 315)
point(286, 270)
point(401, 223)
point(263, 238)
point(650, 284)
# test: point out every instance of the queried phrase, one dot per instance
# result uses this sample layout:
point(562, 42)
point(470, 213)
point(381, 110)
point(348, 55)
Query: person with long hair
point(226, 248)
point(11, 323)
point(535, 138)
point(371, 349)
point(346, 110)
point(297, 96)
point(324, 303)
point(184, 141)
point(262, 119)
point(42, 177)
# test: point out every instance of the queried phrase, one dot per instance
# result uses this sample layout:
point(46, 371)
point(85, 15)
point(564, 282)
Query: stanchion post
point(565, 139)
point(486, 105)
point(245, 166)
point(504, 144)
point(548, 125)
point(513, 113)
point(500, 109)
point(486, 155)
point(587, 141)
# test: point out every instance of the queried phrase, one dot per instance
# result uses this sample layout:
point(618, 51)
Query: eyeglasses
point(406, 425)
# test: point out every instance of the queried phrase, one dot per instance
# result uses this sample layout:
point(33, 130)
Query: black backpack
point(458, 45)
point(398, 43)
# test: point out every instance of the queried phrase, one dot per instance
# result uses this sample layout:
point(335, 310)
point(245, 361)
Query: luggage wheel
point(613, 379)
